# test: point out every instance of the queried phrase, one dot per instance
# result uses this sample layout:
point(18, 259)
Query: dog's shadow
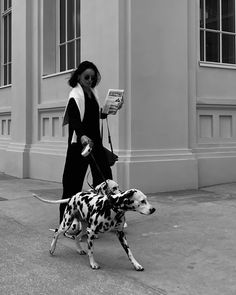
point(107, 252)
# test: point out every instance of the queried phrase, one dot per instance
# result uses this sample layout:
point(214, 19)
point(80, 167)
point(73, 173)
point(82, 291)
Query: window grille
point(61, 48)
point(217, 31)
point(6, 43)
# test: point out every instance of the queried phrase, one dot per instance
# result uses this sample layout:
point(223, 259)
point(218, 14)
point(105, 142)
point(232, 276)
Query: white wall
point(158, 93)
point(177, 126)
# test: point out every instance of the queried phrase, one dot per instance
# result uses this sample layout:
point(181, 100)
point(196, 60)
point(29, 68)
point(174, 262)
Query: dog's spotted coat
point(102, 213)
point(106, 188)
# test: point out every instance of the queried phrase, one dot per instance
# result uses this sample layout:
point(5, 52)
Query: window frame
point(67, 42)
point(6, 44)
point(220, 32)
point(51, 39)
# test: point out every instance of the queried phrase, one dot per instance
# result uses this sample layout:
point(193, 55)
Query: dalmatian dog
point(108, 187)
point(101, 214)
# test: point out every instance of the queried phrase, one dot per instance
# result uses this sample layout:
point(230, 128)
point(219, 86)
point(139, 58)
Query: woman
point(82, 114)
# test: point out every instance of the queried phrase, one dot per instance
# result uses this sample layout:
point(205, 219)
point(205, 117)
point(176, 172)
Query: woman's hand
point(86, 140)
point(114, 108)
point(121, 104)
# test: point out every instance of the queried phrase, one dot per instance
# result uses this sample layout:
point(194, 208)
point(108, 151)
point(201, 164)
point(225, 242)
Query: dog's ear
point(100, 186)
point(128, 194)
point(105, 187)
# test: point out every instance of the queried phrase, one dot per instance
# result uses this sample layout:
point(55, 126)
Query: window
point(217, 31)
point(6, 63)
point(62, 42)
point(69, 34)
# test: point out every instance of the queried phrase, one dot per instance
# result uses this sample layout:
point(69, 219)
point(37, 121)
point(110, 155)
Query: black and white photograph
point(117, 147)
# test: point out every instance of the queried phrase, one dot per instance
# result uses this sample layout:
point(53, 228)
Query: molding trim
point(18, 147)
point(5, 111)
point(155, 155)
point(211, 151)
point(52, 106)
point(216, 103)
point(225, 66)
point(49, 148)
point(4, 143)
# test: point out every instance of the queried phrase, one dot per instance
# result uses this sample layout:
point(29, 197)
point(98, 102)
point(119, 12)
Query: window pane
point(201, 14)
point(228, 15)
point(212, 14)
point(9, 49)
point(5, 4)
point(9, 73)
point(9, 3)
point(62, 58)
point(5, 40)
point(212, 47)
point(62, 21)
point(77, 52)
point(5, 75)
point(71, 55)
point(228, 49)
point(202, 45)
point(77, 18)
point(70, 20)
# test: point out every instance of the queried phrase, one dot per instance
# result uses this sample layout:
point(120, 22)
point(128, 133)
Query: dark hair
point(83, 66)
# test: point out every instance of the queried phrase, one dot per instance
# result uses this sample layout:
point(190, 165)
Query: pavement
point(187, 246)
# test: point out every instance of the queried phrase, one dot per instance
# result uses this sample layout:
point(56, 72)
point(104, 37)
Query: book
point(114, 100)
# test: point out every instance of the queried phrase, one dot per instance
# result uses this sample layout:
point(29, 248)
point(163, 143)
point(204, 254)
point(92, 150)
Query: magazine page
point(113, 99)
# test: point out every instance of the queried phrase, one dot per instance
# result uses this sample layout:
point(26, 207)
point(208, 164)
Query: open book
point(114, 98)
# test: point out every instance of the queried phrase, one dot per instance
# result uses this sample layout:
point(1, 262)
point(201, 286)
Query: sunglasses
point(88, 77)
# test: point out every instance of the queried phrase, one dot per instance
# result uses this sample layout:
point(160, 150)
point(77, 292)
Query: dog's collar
point(112, 205)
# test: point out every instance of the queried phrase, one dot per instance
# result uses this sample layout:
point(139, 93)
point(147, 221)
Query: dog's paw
point(139, 267)
point(95, 265)
point(81, 252)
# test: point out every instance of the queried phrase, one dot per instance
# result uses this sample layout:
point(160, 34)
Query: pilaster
point(22, 75)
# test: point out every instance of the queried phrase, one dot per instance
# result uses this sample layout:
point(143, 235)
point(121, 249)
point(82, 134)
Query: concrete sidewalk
point(187, 247)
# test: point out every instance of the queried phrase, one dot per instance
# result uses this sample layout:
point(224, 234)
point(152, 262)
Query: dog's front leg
point(123, 241)
point(91, 236)
point(78, 238)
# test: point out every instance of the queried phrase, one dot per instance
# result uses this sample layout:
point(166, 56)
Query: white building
point(175, 60)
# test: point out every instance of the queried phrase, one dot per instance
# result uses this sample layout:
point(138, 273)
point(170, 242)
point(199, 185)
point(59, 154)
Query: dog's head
point(108, 187)
point(133, 200)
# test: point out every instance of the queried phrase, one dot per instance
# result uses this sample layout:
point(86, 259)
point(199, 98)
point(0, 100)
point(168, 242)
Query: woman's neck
point(88, 91)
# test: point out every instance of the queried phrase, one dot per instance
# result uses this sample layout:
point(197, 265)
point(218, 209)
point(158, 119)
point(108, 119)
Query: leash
point(90, 185)
point(87, 151)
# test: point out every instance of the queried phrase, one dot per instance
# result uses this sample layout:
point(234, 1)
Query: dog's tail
point(51, 201)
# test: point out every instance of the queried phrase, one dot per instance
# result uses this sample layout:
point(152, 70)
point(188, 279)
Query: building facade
point(174, 59)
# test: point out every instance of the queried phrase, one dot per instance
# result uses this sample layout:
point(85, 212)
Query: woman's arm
point(102, 115)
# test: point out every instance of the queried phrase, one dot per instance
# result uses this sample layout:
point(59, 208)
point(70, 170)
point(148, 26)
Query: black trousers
point(76, 167)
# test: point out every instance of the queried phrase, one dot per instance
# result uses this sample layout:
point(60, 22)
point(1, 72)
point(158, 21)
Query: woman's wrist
point(103, 116)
